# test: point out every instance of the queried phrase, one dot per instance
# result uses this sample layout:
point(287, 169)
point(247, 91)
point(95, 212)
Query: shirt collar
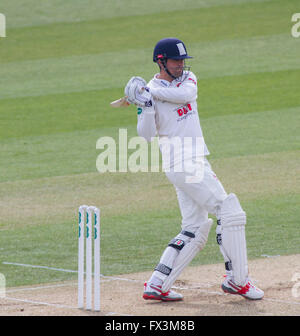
point(162, 82)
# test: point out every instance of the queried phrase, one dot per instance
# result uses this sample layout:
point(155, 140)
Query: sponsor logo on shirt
point(184, 111)
point(191, 79)
point(164, 83)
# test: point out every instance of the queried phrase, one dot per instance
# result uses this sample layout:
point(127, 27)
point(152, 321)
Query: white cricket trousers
point(197, 200)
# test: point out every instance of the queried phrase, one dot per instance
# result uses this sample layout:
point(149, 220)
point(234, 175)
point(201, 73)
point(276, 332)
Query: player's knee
point(186, 243)
point(197, 237)
point(181, 240)
point(172, 251)
point(201, 235)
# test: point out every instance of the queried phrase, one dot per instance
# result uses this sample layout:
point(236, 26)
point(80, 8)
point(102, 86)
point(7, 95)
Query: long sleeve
point(146, 126)
point(184, 93)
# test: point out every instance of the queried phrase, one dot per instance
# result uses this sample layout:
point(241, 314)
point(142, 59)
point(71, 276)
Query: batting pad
point(233, 221)
point(187, 254)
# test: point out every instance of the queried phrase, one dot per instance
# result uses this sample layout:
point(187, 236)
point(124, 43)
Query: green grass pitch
point(60, 66)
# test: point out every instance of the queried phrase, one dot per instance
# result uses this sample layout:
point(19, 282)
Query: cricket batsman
point(168, 109)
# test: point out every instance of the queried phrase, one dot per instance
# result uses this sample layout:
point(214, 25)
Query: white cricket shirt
point(174, 119)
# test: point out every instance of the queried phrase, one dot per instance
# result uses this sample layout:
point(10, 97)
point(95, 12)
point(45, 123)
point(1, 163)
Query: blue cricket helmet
point(170, 48)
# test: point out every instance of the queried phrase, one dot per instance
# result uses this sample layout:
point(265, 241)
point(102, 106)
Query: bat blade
point(122, 102)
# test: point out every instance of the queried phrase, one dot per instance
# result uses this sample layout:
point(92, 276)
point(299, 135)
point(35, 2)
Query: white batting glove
point(137, 93)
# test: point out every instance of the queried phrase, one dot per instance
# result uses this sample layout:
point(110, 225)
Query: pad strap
point(163, 269)
point(188, 234)
point(177, 243)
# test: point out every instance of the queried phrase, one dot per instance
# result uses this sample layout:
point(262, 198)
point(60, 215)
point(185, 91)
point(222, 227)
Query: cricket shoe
point(153, 292)
point(249, 291)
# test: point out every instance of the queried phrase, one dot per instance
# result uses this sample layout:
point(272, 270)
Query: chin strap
point(180, 78)
point(164, 63)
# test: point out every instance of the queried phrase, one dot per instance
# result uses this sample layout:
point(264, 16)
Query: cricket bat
point(122, 102)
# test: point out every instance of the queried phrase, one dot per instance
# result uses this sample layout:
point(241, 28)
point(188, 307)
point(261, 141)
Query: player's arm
point(137, 93)
point(184, 93)
point(146, 126)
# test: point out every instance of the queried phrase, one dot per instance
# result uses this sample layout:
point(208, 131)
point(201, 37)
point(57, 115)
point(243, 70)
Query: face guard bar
point(184, 73)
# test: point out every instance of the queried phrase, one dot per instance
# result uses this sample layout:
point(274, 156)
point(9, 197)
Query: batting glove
point(137, 93)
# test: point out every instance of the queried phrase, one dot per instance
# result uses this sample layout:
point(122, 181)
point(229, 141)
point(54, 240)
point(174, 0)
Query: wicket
point(87, 231)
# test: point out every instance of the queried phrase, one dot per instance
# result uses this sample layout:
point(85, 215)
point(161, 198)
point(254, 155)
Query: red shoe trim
point(239, 289)
point(165, 294)
point(157, 288)
point(151, 297)
point(244, 289)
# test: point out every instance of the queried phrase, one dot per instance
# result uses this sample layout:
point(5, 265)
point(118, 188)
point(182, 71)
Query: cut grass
point(138, 32)
point(57, 79)
point(272, 229)
point(250, 177)
point(111, 70)
point(75, 152)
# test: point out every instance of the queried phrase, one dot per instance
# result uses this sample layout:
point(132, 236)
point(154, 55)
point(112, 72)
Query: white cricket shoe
point(153, 292)
point(249, 291)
